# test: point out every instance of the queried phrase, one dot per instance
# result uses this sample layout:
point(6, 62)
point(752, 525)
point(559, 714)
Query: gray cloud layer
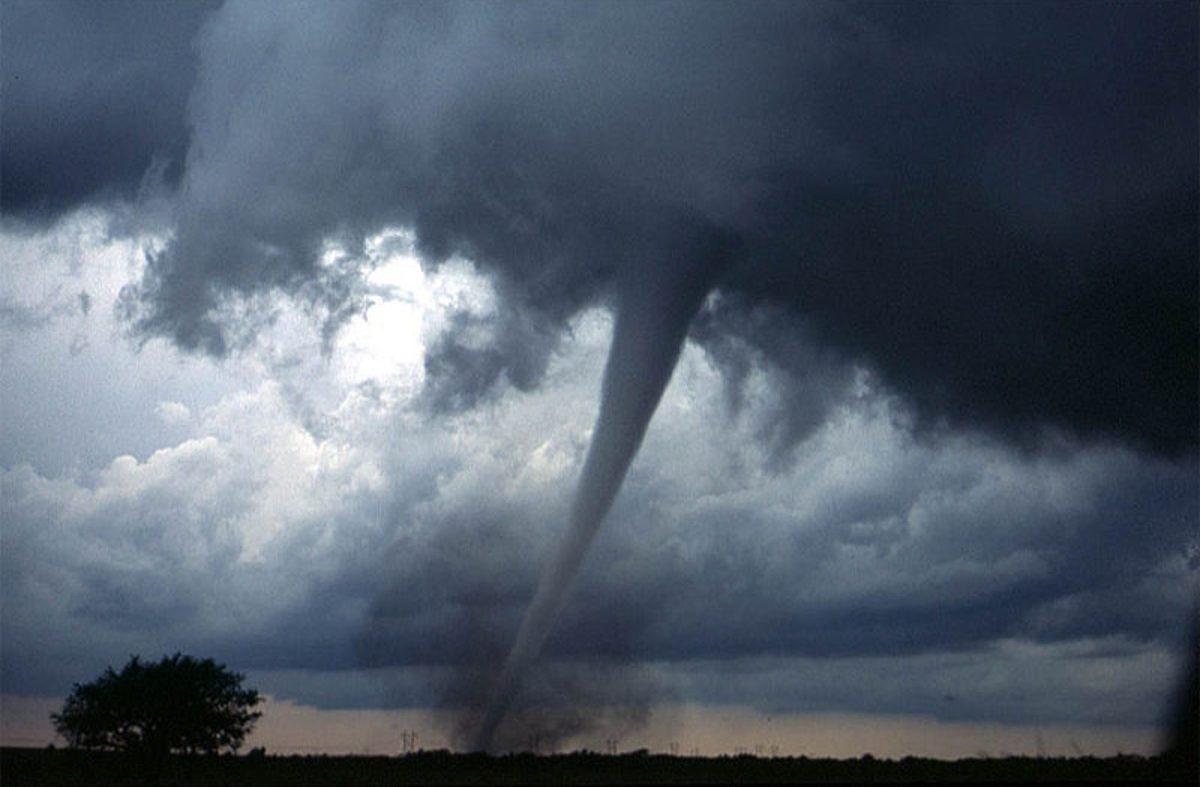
point(95, 99)
point(306, 524)
point(869, 549)
point(985, 211)
point(992, 204)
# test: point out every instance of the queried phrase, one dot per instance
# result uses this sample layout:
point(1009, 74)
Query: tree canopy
point(179, 704)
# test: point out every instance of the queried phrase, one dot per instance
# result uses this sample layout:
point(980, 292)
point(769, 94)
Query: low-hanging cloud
point(992, 206)
point(95, 100)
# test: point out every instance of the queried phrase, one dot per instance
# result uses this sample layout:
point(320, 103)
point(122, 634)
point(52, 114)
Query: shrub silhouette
point(178, 704)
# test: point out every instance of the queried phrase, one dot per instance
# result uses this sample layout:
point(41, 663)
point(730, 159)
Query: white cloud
point(173, 413)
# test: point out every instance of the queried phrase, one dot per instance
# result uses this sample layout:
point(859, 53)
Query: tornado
point(654, 309)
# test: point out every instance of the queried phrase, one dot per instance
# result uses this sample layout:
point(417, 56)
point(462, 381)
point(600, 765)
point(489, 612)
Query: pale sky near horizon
point(707, 731)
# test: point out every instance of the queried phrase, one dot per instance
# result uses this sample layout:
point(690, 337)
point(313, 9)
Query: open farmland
point(64, 767)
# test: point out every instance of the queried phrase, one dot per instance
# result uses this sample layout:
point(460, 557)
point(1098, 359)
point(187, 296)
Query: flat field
point(20, 766)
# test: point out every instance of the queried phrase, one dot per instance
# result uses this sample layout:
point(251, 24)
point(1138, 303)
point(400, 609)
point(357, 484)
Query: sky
point(850, 349)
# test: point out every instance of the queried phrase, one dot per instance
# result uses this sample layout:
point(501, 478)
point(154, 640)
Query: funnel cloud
point(651, 322)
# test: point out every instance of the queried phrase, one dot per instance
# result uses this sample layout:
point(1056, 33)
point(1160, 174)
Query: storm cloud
point(101, 91)
point(992, 205)
point(930, 269)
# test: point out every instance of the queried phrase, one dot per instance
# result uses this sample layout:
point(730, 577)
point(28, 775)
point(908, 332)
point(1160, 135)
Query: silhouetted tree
point(178, 704)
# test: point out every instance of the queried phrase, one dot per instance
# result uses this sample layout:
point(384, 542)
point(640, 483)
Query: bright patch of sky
point(77, 386)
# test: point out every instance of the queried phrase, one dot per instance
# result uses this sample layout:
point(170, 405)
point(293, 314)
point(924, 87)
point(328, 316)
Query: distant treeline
point(21, 766)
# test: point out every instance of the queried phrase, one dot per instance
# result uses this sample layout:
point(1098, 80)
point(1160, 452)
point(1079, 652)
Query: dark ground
point(20, 766)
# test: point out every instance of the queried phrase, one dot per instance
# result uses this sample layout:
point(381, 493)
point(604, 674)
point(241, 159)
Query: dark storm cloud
point(1014, 242)
point(992, 205)
point(463, 366)
point(95, 99)
point(803, 379)
point(990, 208)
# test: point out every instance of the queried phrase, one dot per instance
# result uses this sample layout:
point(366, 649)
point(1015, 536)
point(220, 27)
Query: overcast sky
point(305, 312)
